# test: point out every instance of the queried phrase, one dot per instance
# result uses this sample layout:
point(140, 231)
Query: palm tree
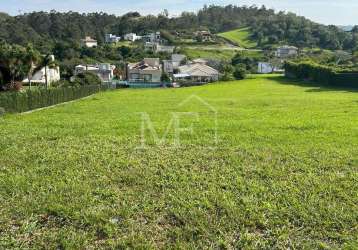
point(46, 62)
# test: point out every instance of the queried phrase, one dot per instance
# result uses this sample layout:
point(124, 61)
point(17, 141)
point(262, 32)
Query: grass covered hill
point(241, 37)
point(282, 173)
point(46, 30)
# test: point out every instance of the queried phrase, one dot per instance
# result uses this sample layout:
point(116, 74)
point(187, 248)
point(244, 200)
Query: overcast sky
point(339, 12)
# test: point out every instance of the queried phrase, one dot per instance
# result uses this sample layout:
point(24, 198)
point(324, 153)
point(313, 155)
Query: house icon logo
point(193, 121)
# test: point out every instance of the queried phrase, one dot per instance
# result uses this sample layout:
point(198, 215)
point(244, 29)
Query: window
point(147, 78)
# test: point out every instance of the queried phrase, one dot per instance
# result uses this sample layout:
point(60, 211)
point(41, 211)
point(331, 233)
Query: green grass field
point(281, 174)
point(203, 52)
point(241, 37)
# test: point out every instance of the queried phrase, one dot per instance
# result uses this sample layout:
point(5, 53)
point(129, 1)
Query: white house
point(131, 37)
point(52, 75)
point(149, 70)
point(89, 42)
point(286, 51)
point(109, 38)
point(196, 72)
point(104, 71)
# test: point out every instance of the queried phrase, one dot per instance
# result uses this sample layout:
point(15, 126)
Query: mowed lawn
point(241, 37)
point(281, 173)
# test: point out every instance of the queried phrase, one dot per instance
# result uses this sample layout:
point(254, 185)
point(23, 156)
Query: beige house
point(197, 73)
point(149, 70)
point(89, 42)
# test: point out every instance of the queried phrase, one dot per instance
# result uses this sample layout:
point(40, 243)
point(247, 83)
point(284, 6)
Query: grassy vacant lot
point(240, 37)
point(283, 173)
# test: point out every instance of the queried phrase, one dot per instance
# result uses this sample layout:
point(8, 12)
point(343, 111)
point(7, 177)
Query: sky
point(338, 12)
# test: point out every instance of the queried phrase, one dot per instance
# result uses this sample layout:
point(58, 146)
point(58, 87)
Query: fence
point(15, 102)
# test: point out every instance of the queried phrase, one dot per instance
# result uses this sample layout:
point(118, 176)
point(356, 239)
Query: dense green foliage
point(45, 30)
point(321, 74)
point(38, 98)
point(283, 174)
point(87, 78)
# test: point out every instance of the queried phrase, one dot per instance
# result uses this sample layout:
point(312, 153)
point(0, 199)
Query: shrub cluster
point(321, 74)
point(14, 102)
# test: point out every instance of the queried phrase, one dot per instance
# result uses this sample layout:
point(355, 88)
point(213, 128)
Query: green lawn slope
point(240, 37)
point(261, 163)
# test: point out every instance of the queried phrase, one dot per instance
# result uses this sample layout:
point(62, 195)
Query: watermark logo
point(193, 119)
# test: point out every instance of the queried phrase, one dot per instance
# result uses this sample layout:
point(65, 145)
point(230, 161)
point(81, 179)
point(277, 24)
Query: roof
point(89, 39)
point(198, 69)
point(288, 47)
point(200, 60)
point(144, 66)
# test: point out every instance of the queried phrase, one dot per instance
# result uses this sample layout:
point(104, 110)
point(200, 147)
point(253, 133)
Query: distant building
point(200, 61)
point(203, 36)
point(153, 38)
point(132, 37)
point(149, 70)
point(109, 38)
point(197, 73)
point(104, 71)
point(286, 51)
point(89, 42)
point(52, 75)
point(171, 66)
point(157, 48)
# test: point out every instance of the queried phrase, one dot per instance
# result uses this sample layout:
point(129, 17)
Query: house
point(89, 42)
point(168, 66)
point(131, 37)
point(171, 66)
point(153, 38)
point(177, 60)
point(109, 38)
point(197, 73)
point(157, 48)
point(286, 51)
point(149, 70)
point(52, 75)
point(203, 36)
point(104, 71)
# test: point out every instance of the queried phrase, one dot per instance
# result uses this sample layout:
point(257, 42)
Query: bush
point(240, 72)
point(165, 77)
point(321, 74)
point(2, 111)
point(38, 98)
point(87, 78)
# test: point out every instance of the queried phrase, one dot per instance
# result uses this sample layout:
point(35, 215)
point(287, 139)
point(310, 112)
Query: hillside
point(241, 37)
point(46, 30)
point(281, 175)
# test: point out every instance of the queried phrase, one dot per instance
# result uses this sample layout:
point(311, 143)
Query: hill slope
point(282, 175)
point(240, 37)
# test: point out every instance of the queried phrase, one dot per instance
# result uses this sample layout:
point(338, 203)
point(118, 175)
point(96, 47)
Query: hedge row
point(15, 102)
point(323, 75)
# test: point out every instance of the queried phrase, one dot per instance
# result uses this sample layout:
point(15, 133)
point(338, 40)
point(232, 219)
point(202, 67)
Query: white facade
point(109, 38)
point(286, 51)
point(52, 75)
point(89, 42)
point(131, 37)
point(104, 71)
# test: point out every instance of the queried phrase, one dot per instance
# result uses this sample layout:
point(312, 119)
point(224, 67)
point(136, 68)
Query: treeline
point(44, 29)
